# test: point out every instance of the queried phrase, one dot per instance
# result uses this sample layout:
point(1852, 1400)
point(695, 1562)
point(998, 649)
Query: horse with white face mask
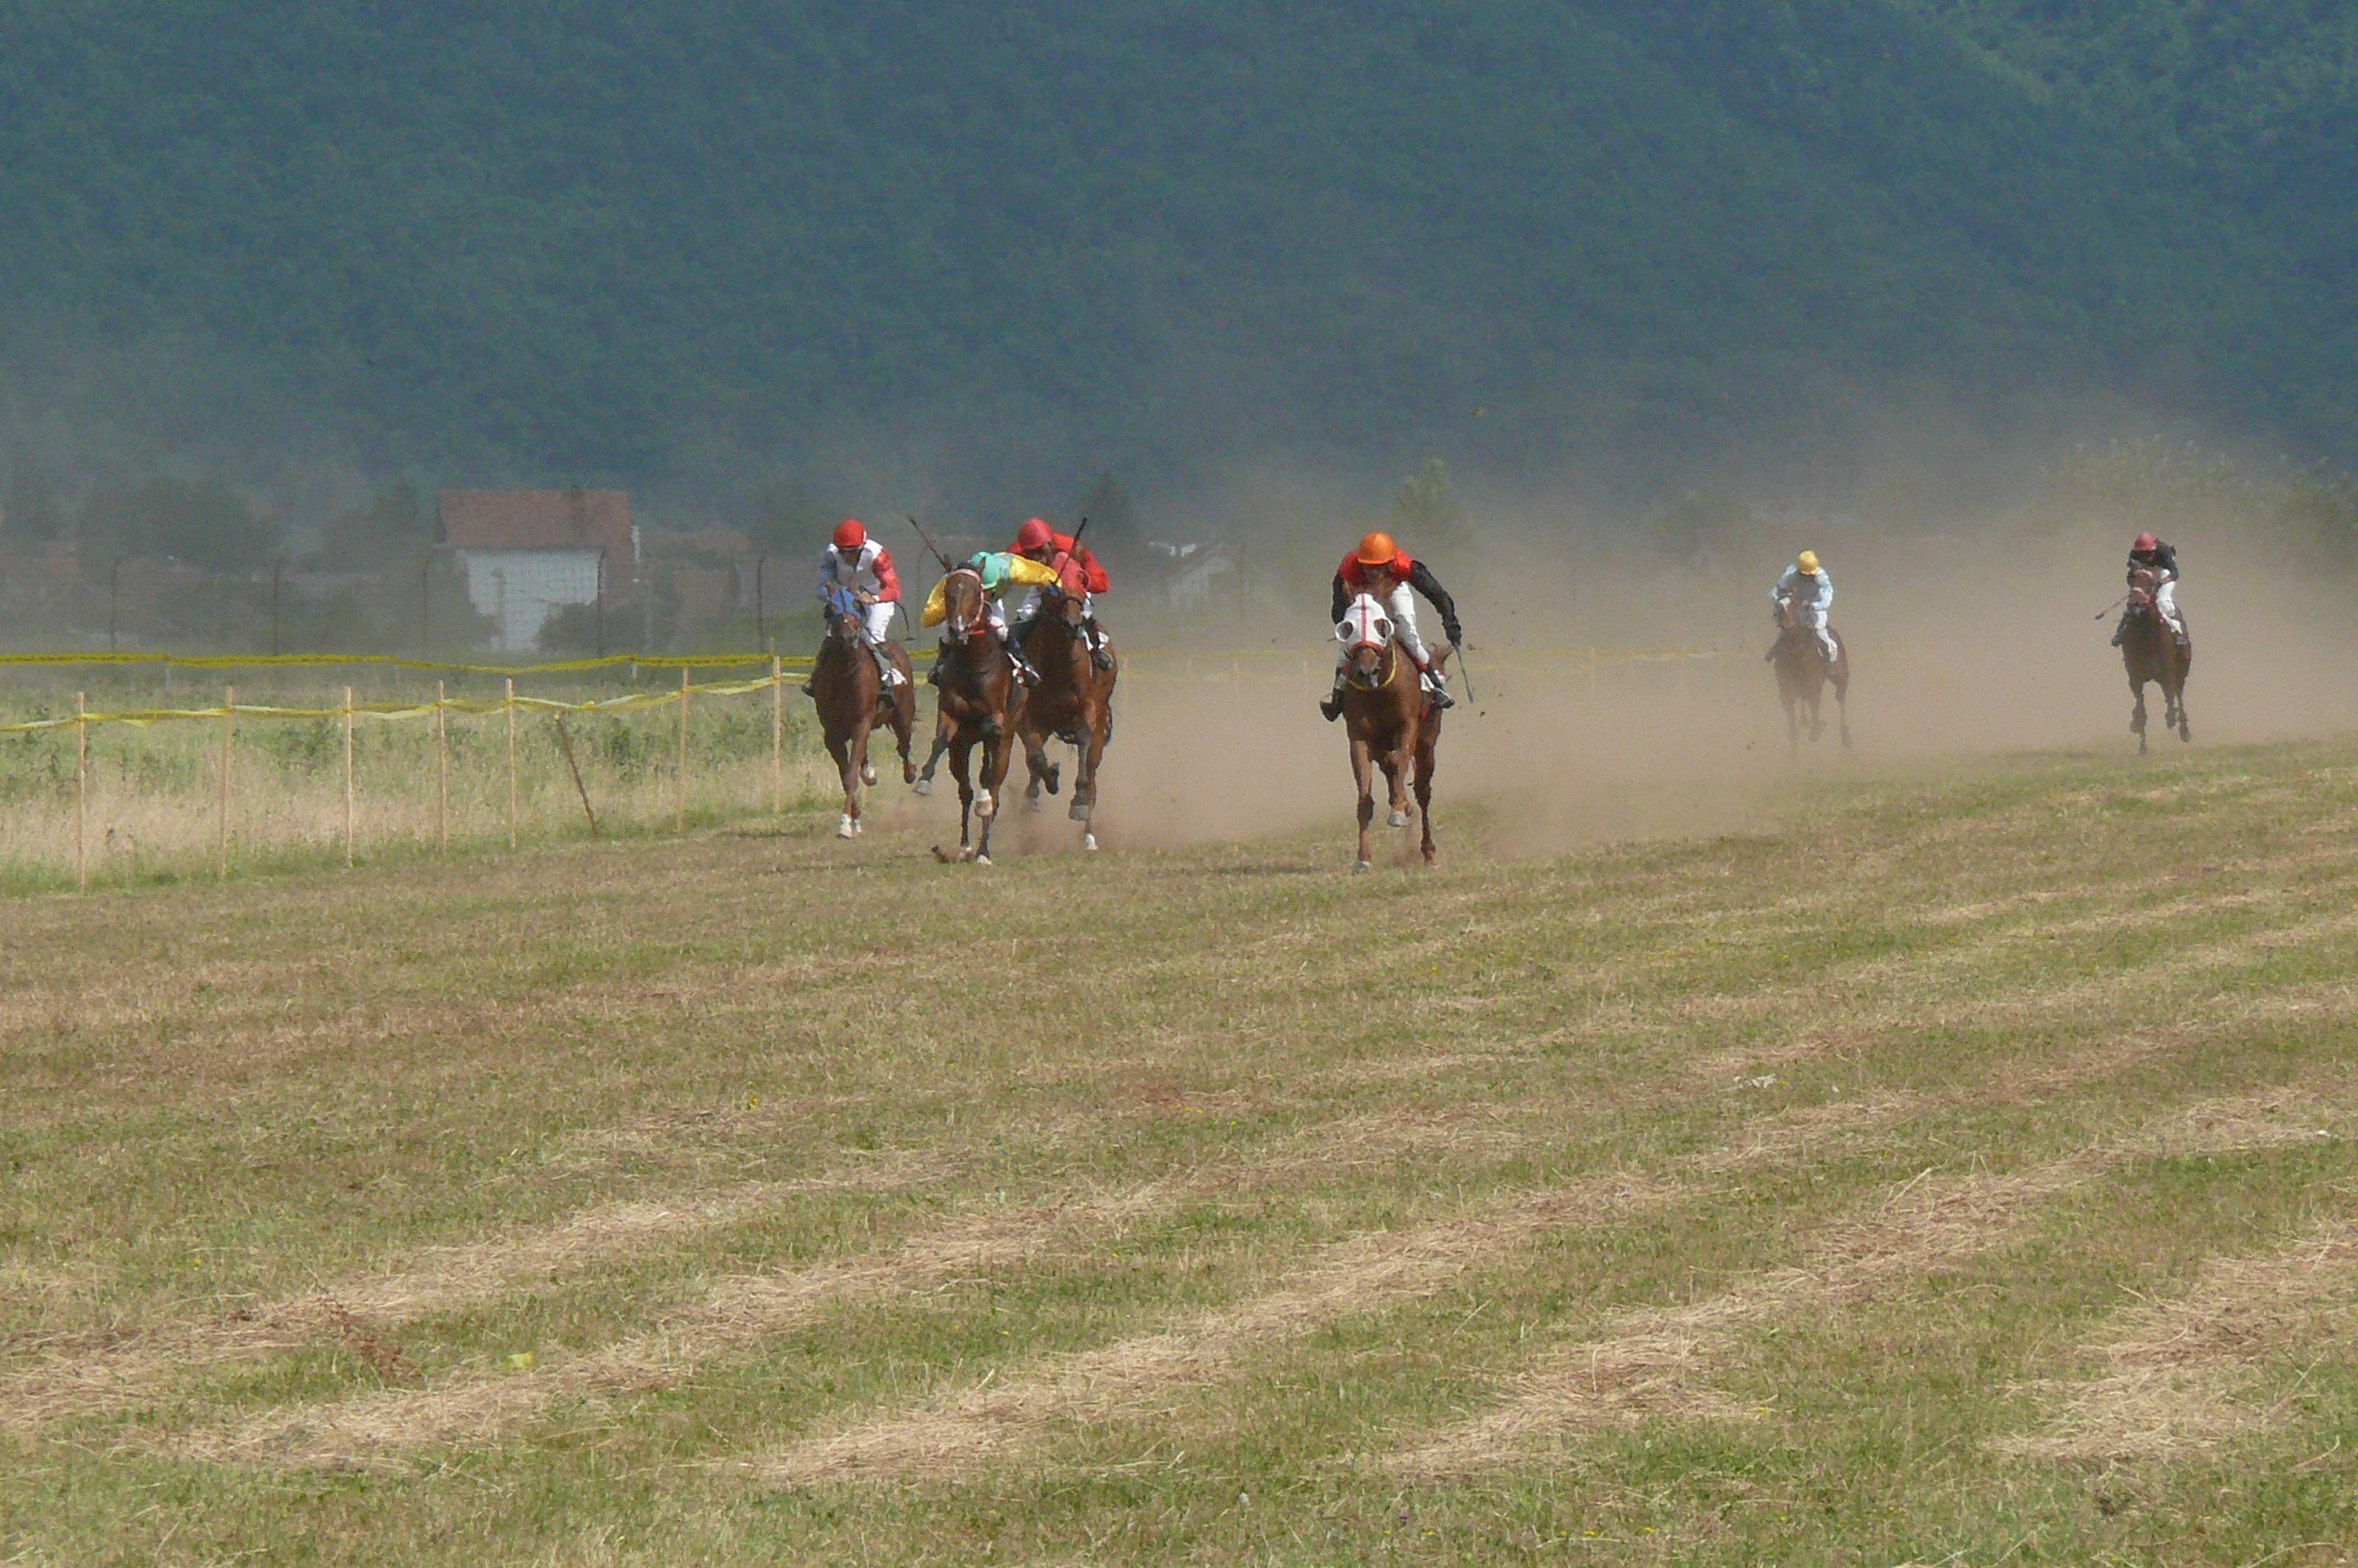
point(1390, 717)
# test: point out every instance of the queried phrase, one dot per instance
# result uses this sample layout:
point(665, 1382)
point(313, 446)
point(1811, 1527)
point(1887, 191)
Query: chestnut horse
point(851, 698)
point(1073, 702)
point(1391, 724)
point(980, 705)
point(2150, 652)
point(1803, 672)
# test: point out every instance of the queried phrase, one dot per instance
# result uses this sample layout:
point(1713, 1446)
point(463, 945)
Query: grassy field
point(1955, 1167)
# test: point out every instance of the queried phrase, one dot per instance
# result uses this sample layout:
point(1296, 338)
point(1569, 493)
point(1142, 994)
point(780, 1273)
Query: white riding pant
point(878, 624)
point(1813, 616)
point(1400, 606)
point(2165, 599)
point(1030, 606)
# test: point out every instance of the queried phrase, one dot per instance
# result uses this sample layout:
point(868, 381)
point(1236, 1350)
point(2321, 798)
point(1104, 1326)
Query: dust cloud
point(1966, 644)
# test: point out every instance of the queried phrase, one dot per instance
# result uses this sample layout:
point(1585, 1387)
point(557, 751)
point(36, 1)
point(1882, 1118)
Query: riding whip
point(928, 538)
point(1466, 669)
point(2108, 610)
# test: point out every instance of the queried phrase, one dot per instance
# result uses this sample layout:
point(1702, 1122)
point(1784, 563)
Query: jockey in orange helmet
point(1384, 569)
point(852, 560)
point(1070, 560)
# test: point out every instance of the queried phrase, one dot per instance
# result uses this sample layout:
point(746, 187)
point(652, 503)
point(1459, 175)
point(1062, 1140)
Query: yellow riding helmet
point(1808, 563)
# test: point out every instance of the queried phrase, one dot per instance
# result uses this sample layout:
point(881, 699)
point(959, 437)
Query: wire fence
point(125, 790)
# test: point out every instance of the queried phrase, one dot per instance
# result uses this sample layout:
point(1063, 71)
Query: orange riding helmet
point(1378, 550)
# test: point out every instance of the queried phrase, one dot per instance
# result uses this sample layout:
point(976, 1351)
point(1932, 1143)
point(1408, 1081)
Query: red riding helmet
point(2146, 542)
point(1035, 534)
point(849, 535)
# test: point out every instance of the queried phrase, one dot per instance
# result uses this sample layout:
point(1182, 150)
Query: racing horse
point(848, 690)
point(2150, 652)
point(1073, 702)
point(982, 704)
point(1804, 673)
point(1388, 718)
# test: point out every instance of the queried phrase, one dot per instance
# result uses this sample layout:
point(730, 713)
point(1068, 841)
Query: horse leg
point(1396, 775)
point(2136, 715)
point(1424, 763)
point(998, 752)
point(1085, 778)
point(1363, 770)
point(1792, 724)
point(943, 728)
point(959, 753)
point(1841, 707)
point(2177, 700)
point(1816, 699)
point(1035, 766)
point(904, 724)
point(839, 747)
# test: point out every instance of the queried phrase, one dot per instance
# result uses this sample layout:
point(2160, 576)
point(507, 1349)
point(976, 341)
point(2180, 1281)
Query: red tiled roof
point(539, 520)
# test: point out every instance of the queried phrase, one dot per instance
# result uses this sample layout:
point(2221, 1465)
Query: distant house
point(526, 553)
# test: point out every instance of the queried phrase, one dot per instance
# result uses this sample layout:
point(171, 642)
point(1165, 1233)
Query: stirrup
point(1332, 707)
point(1025, 676)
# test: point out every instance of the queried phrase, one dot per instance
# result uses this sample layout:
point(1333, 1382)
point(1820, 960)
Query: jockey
point(857, 562)
point(2149, 554)
point(1811, 586)
point(1381, 568)
point(998, 570)
point(1036, 541)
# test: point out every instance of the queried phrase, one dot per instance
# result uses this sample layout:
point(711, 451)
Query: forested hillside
point(694, 243)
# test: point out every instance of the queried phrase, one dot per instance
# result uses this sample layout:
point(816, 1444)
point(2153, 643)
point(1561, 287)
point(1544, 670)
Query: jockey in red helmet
point(2148, 553)
point(1070, 560)
point(1381, 568)
point(853, 560)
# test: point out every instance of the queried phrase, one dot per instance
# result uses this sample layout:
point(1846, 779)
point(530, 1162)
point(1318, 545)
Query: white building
point(527, 553)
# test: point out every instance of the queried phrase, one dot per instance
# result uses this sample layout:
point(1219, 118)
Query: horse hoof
point(867, 774)
point(920, 787)
point(1055, 780)
point(983, 859)
point(858, 826)
point(1089, 842)
point(1032, 803)
point(845, 828)
point(1358, 867)
point(1080, 811)
point(1398, 819)
point(984, 809)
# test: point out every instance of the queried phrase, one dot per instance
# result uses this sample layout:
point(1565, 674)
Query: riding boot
point(1331, 705)
point(1770, 656)
point(941, 652)
point(1436, 689)
point(1099, 656)
point(1025, 676)
point(815, 659)
point(2120, 630)
point(884, 670)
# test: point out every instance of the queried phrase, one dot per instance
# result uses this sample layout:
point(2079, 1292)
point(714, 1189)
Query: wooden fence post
point(441, 772)
point(510, 706)
point(229, 732)
point(777, 738)
point(82, 791)
point(347, 778)
point(679, 787)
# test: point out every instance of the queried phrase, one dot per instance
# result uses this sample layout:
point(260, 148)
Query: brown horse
point(982, 704)
point(1804, 673)
point(850, 692)
point(2151, 652)
point(1073, 703)
point(1391, 725)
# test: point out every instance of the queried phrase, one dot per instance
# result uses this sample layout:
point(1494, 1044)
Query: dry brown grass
point(2180, 1374)
point(1651, 1362)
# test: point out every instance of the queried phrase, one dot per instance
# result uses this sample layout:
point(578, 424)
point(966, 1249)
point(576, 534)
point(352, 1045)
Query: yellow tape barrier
point(629, 701)
point(262, 661)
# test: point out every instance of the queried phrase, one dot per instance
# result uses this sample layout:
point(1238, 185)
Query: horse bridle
point(981, 622)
